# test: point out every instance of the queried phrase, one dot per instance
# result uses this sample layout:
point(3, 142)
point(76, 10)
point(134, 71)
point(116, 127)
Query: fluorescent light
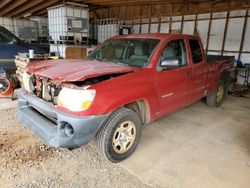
point(27, 15)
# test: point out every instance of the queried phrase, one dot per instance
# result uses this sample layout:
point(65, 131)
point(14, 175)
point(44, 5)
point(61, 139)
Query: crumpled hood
point(75, 70)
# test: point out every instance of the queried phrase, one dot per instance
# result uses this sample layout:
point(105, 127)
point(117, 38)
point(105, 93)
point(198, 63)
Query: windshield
point(133, 52)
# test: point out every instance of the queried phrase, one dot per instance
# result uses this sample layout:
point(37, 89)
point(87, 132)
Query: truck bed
point(219, 58)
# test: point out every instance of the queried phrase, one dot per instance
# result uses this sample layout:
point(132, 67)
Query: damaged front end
point(42, 87)
point(60, 93)
point(38, 109)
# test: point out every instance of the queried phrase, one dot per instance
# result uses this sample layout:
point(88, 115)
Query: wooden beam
point(126, 2)
point(150, 20)
point(159, 21)
point(195, 22)
point(225, 29)
point(170, 21)
point(4, 3)
point(43, 12)
point(42, 6)
point(244, 30)
point(209, 27)
point(225, 34)
point(12, 6)
point(182, 18)
point(24, 7)
point(140, 26)
point(209, 30)
point(159, 24)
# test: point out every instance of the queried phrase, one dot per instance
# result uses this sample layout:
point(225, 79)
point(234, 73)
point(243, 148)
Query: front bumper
point(45, 120)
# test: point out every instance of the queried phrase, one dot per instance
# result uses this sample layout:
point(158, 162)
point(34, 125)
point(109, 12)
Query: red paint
point(188, 84)
point(75, 70)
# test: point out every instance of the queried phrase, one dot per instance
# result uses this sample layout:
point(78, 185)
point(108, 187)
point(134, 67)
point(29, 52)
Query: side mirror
point(170, 63)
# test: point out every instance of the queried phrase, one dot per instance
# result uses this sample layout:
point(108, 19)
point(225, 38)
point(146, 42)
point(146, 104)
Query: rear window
point(196, 51)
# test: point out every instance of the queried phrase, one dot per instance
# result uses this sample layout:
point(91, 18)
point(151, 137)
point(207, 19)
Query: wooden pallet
point(22, 60)
point(24, 57)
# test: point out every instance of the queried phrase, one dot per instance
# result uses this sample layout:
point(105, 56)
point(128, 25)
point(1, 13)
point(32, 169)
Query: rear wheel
point(217, 98)
point(119, 135)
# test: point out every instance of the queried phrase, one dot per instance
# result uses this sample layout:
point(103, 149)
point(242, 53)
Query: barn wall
point(224, 26)
point(222, 33)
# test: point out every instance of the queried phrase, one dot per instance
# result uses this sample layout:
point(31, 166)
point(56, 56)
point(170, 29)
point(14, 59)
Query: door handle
point(188, 74)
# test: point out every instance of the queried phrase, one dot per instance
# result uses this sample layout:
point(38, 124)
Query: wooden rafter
point(127, 2)
point(44, 11)
point(4, 3)
point(24, 7)
point(20, 8)
point(41, 6)
point(12, 6)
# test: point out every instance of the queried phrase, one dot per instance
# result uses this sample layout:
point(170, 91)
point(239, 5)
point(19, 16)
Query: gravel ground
point(26, 162)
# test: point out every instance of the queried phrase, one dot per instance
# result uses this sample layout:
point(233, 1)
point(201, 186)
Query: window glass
point(175, 50)
point(133, 52)
point(5, 36)
point(196, 51)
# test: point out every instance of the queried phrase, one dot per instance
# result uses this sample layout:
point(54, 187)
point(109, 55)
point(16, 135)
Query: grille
point(50, 92)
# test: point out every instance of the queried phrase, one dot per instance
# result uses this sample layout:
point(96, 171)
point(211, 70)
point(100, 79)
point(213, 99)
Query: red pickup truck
point(126, 82)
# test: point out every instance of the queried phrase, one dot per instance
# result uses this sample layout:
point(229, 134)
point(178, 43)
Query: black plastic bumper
point(45, 121)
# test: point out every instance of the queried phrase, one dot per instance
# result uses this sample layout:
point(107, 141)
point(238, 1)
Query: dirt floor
point(26, 162)
point(196, 147)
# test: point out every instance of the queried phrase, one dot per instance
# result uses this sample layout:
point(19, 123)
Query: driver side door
point(173, 84)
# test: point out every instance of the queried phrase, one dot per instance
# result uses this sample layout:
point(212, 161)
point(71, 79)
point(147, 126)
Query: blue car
point(10, 45)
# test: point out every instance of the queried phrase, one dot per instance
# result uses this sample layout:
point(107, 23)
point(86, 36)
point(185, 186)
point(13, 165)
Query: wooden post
point(195, 22)
point(150, 19)
point(225, 34)
point(159, 21)
point(159, 24)
point(244, 30)
point(182, 20)
point(225, 30)
point(140, 25)
point(170, 21)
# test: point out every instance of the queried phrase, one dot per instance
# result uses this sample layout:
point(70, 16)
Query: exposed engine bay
point(49, 91)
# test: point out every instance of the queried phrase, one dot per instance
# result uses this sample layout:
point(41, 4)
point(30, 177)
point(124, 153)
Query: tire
point(216, 99)
point(119, 135)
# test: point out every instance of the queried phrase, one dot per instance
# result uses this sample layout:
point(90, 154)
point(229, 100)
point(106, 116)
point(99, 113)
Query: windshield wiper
point(118, 62)
point(92, 58)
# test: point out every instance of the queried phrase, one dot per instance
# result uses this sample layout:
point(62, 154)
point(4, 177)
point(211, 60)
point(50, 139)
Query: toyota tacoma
point(125, 83)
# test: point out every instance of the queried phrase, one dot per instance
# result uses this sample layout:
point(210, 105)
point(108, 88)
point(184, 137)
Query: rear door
point(173, 84)
point(199, 70)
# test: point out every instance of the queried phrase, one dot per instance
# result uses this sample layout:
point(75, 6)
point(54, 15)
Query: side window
point(196, 51)
point(175, 50)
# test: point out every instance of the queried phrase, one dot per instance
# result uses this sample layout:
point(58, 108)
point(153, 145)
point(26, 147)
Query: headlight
point(76, 99)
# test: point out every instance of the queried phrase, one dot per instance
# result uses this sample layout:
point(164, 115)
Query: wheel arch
point(141, 107)
point(225, 77)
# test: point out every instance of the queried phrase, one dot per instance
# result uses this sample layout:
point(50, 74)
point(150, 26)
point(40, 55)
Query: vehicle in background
point(10, 45)
point(128, 81)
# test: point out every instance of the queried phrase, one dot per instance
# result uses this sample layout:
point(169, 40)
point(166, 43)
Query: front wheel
point(119, 135)
point(218, 96)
